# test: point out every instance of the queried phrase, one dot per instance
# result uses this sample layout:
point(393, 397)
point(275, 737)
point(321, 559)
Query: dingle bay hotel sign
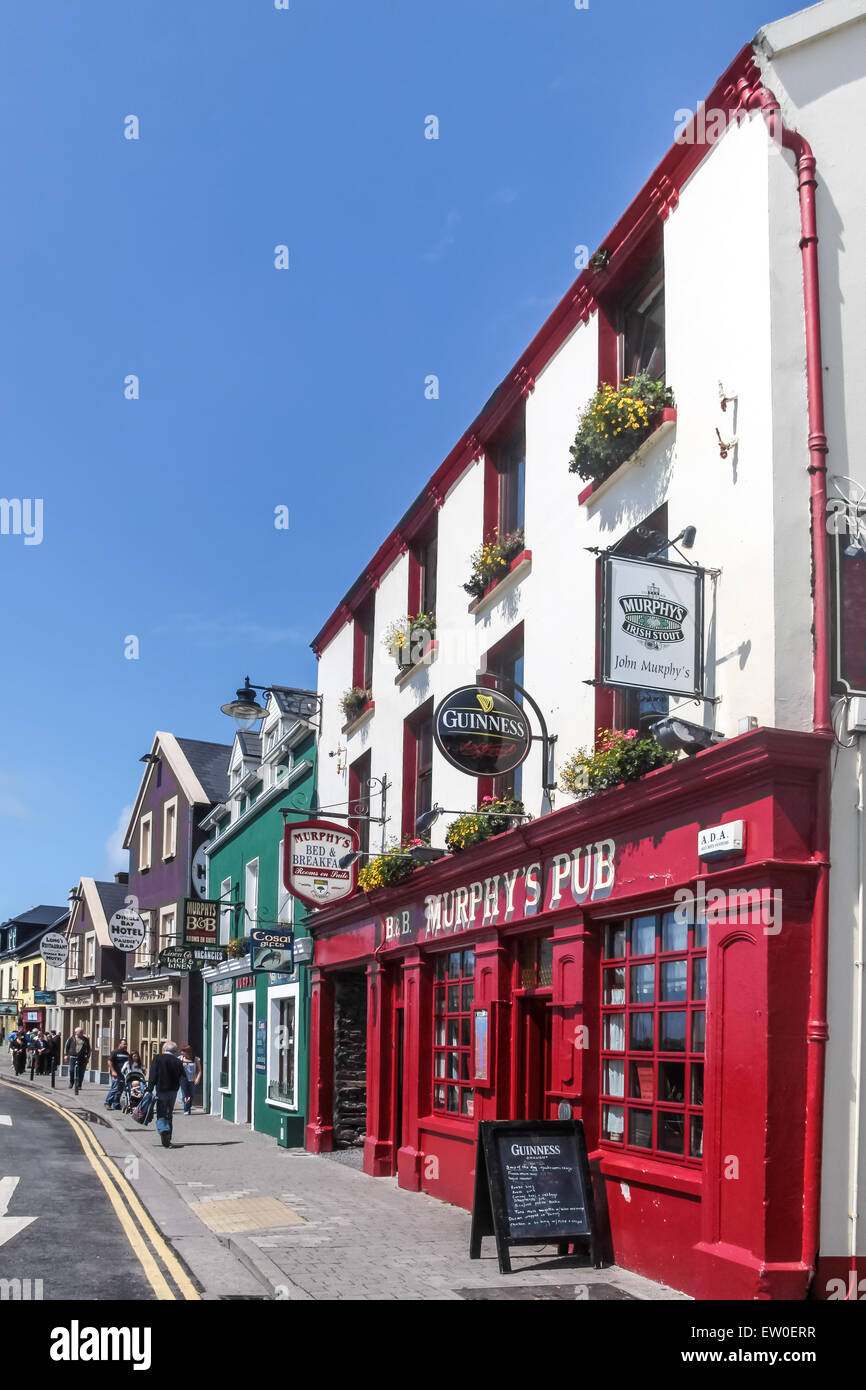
point(653, 625)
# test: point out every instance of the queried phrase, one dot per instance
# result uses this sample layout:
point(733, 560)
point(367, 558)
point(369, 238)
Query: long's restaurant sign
point(564, 881)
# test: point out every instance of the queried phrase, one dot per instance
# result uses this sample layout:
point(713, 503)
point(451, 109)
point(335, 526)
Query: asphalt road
point(76, 1245)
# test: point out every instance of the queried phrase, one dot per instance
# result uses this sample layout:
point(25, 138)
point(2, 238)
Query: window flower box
point(491, 561)
point(615, 422)
point(519, 566)
point(360, 717)
point(664, 423)
point(406, 673)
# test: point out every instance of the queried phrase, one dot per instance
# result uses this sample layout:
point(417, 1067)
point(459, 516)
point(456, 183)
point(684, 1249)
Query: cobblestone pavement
point(309, 1228)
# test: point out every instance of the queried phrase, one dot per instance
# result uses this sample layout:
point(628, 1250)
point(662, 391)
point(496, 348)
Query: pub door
point(533, 1070)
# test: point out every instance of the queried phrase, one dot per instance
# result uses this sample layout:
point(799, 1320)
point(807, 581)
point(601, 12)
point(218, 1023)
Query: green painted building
point(257, 1026)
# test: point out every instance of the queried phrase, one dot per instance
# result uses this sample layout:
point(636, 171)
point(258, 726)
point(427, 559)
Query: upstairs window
point(417, 768)
point(145, 842)
point(37, 977)
point(627, 707)
point(511, 467)
point(423, 571)
point(169, 829)
point(362, 663)
point(359, 799)
point(506, 660)
point(642, 327)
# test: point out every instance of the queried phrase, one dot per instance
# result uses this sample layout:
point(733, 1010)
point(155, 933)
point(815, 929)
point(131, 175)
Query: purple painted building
point(183, 779)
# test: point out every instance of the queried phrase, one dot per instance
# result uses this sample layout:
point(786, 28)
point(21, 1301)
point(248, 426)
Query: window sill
point(651, 1172)
point(520, 565)
point(664, 425)
point(460, 1127)
point(281, 1105)
point(359, 719)
point(404, 676)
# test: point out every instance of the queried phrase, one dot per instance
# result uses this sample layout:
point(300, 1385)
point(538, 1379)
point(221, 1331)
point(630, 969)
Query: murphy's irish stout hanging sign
point(481, 732)
point(653, 625)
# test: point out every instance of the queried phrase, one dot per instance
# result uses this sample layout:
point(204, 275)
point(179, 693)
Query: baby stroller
point(134, 1087)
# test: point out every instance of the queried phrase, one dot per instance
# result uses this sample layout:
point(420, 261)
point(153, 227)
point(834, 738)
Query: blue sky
point(260, 387)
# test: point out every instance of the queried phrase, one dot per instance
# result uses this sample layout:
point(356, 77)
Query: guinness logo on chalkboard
point(482, 732)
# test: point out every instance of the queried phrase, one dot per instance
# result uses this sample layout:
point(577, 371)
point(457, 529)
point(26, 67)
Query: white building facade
point(702, 281)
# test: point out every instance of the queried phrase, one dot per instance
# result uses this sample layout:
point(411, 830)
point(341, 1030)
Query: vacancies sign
point(653, 625)
point(312, 851)
point(481, 732)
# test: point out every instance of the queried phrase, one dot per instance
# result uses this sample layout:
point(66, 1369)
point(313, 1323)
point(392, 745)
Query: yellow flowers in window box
point(615, 423)
point(492, 561)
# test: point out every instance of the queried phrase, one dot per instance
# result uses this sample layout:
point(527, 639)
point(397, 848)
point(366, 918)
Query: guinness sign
point(481, 732)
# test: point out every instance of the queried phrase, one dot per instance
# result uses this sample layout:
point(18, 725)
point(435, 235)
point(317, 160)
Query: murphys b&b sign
point(653, 625)
point(312, 872)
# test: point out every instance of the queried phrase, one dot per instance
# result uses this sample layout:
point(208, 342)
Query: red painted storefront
point(684, 1050)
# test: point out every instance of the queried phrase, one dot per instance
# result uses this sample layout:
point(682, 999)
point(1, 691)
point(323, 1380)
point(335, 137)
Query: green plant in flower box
point(408, 639)
point(615, 423)
point(616, 757)
point(394, 864)
point(353, 701)
point(471, 828)
point(492, 560)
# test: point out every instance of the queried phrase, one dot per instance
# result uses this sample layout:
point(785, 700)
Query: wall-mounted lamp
point(678, 735)
point(425, 854)
point(429, 818)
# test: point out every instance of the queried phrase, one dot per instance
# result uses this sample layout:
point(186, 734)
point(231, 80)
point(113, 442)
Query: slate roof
point(42, 916)
point(210, 763)
point(251, 744)
point(282, 694)
point(112, 896)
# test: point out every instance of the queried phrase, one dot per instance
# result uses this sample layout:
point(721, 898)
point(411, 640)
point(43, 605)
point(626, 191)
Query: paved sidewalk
point(312, 1227)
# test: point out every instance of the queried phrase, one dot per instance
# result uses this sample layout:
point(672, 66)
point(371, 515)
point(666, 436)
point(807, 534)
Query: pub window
point(653, 1022)
point(535, 962)
point(418, 768)
point(453, 996)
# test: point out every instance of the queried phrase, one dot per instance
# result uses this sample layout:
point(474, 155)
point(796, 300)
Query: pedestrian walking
point(166, 1070)
point(117, 1062)
point(191, 1076)
point(19, 1052)
point(77, 1056)
point(41, 1047)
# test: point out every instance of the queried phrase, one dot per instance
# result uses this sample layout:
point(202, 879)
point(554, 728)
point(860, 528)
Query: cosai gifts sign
point(653, 625)
point(314, 867)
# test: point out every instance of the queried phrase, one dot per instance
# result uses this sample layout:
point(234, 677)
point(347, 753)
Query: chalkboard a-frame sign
point(532, 1187)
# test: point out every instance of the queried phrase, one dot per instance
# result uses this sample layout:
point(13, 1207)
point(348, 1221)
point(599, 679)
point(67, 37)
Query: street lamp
point(246, 711)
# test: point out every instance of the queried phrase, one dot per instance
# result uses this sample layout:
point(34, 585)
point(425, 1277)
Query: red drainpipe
point(754, 96)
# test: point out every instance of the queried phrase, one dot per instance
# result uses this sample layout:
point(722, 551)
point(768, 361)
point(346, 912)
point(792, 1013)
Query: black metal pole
point(547, 740)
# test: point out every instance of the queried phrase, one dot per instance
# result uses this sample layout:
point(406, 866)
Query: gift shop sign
point(312, 851)
point(653, 625)
point(587, 874)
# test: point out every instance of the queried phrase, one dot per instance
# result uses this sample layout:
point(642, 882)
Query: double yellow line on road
point(129, 1211)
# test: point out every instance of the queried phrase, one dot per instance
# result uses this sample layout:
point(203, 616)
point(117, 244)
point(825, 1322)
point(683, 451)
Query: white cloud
point(446, 240)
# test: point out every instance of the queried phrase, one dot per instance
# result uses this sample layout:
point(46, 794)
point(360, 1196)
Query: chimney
point(122, 877)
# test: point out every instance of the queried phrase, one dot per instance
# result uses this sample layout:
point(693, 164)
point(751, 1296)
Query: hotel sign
point(653, 625)
point(481, 732)
point(312, 872)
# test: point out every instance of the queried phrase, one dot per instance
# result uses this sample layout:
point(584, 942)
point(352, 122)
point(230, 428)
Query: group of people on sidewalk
point(43, 1050)
point(172, 1071)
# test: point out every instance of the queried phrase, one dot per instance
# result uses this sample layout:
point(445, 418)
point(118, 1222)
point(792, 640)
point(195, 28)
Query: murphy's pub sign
point(653, 625)
point(564, 881)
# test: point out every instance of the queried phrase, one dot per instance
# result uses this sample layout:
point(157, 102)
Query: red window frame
point(423, 572)
point(453, 1001)
point(359, 798)
point(631, 985)
point(505, 654)
point(417, 767)
point(362, 651)
point(618, 708)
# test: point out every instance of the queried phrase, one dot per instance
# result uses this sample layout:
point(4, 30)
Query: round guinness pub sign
point(482, 732)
